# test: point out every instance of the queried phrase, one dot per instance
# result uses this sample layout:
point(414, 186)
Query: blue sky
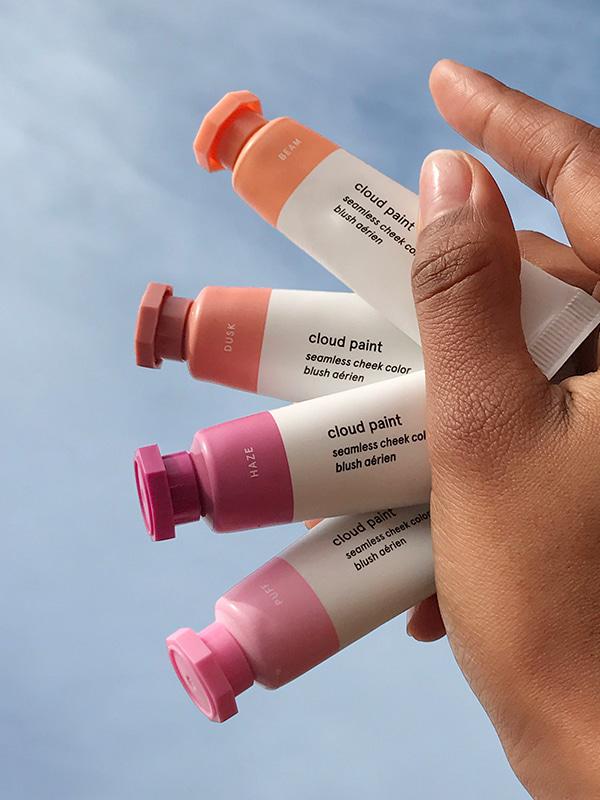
point(100, 194)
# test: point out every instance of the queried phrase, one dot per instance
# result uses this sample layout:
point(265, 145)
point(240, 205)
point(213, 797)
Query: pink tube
point(326, 590)
point(339, 454)
point(253, 639)
point(284, 343)
point(217, 479)
point(219, 334)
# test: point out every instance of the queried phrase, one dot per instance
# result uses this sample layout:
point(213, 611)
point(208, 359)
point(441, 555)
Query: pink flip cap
point(160, 326)
point(212, 668)
point(167, 489)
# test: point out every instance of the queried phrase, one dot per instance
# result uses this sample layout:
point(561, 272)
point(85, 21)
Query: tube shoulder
point(279, 622)
point(275, 161)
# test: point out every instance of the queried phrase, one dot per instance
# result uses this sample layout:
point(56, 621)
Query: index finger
point(554, 153)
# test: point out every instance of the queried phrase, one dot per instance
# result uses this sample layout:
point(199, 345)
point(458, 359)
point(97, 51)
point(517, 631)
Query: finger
point(310, 523)
point(556, 154)
point(481, 380)
point(424, 622)
point(556, 258)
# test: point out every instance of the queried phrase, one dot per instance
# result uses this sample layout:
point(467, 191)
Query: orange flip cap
point(226, 128)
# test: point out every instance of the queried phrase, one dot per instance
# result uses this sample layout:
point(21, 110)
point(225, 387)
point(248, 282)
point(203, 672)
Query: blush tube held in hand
point(290, 344)
point(334, 585)
point(360, 224)
point(344, 453)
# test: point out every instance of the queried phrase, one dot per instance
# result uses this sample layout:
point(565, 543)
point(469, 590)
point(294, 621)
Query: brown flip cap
point(160, 326)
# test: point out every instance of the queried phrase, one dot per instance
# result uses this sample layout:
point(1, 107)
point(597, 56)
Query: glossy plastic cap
point(226, 128)
point(212, 668)
point(160, 326)
point(167, 489)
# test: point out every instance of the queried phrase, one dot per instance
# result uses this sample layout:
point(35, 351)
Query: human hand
point(556, 155)
point(515, 514)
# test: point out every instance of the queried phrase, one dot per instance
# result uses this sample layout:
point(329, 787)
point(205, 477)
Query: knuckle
point(491, 434)
point(575, 164)
point(528, 237)
point(477, 429)
point(445, 260)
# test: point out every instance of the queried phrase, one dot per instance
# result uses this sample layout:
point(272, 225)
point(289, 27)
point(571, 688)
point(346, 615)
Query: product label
point(361, 225)
point(368, 568)
point(360, 449)
point(316, 343)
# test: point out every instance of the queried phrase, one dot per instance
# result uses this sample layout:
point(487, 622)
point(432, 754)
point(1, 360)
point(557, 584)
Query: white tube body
point(317, 343)
point(367, 569)
point(357, 450)
point(361, 226)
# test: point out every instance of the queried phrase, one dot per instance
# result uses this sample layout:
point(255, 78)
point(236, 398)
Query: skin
point(515, 502)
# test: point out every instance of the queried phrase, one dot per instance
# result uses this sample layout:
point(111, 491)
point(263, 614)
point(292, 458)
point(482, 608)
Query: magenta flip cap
point(219, 478)
point(168, 490)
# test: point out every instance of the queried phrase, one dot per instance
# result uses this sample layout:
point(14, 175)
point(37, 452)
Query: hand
point(530, 139)
point(515, 501)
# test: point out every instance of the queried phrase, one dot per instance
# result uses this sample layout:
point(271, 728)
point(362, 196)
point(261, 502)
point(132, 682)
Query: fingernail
point(409, 615)
point(445, 185)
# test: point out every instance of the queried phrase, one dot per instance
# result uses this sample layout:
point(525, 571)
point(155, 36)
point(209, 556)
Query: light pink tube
point(334, 585)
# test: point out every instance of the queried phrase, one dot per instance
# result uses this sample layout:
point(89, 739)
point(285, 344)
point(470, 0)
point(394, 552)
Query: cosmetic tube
point(345, 453)
point(289, 344)
point(331, 587)
point(360, 224)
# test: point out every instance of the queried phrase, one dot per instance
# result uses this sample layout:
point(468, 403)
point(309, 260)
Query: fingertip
point(443, 85)
point(449, 178)
point(424, 622)
point(443, 72)
point(425, 635)
point(427, 638)
point(444, 184)
point(311, 523)
point(452, 84)
point(444, 67)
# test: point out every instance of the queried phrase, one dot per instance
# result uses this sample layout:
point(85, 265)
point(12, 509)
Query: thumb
point(467, 295)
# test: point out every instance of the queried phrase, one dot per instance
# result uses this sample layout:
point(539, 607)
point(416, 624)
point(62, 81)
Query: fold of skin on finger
point(554, 153)
point(424, 622)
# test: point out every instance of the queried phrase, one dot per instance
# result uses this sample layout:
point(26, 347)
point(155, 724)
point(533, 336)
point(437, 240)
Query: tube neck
point(169, 341)
point(235, 135)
